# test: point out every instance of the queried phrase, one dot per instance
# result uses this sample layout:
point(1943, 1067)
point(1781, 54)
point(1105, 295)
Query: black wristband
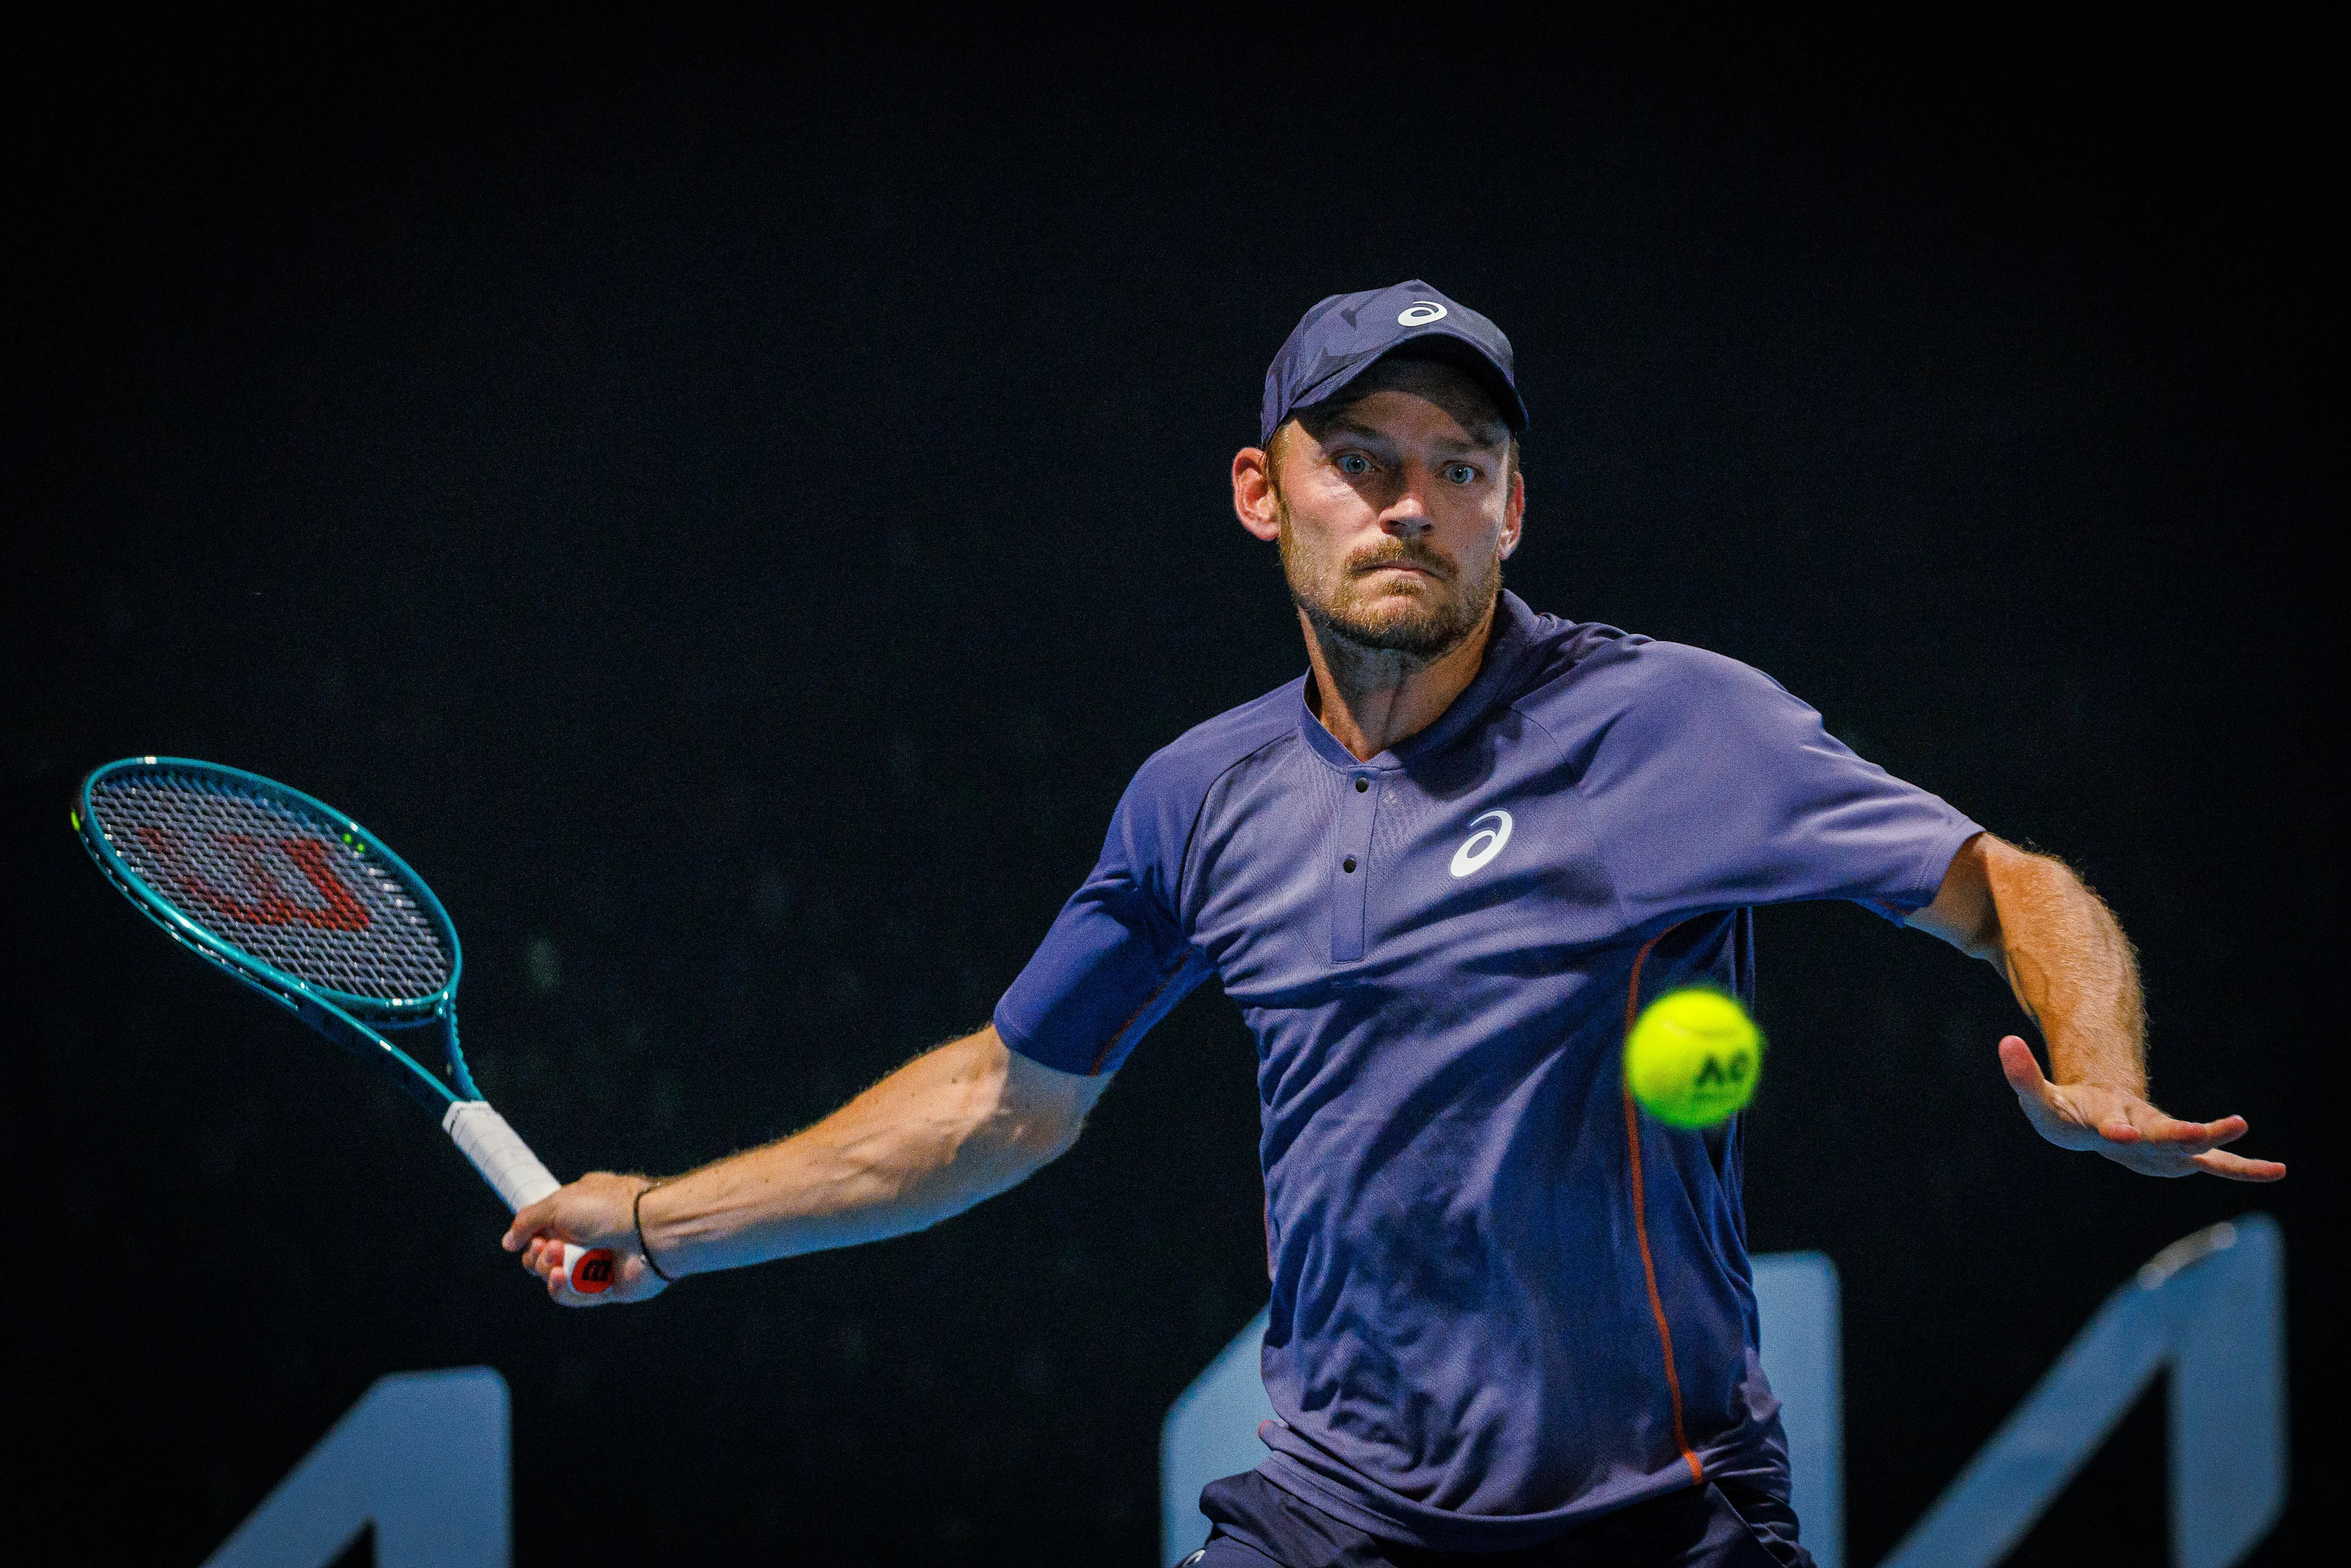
point(637, 1214)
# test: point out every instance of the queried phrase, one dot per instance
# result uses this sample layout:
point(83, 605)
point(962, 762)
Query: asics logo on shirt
point(1483, 845)
point(1420, 313)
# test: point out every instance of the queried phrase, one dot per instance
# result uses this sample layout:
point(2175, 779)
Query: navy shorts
point(1258, 1525)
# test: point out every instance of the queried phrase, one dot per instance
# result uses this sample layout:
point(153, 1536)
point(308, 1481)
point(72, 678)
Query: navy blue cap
point(1347, 334)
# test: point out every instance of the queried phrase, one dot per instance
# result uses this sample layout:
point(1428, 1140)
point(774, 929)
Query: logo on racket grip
point(592, 1275)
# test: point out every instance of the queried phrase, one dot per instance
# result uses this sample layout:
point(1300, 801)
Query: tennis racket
point(311, 910)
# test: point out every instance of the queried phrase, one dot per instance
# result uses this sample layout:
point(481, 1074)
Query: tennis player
point(1437, 872)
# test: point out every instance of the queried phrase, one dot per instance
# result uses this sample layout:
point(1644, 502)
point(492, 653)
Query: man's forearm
point(2064, 955)
point(2066, 958)
point(954, 1126)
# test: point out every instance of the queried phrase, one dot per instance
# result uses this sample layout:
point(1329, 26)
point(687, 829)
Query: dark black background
point(734, 516)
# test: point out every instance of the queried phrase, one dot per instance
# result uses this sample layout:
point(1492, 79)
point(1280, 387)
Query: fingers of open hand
point(2162, 1145)
point(2192, 1137)
point(2125, 1127)
point(2236, 1167)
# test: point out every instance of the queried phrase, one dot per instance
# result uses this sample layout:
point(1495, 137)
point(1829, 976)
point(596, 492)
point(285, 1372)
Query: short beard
point(1421, 633)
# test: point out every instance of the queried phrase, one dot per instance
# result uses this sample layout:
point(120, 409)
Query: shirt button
point(1362, 785)
point(1347, 865)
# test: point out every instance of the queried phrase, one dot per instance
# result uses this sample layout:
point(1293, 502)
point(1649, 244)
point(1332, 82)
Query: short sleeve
point(1116, 961)
point(1721, 790)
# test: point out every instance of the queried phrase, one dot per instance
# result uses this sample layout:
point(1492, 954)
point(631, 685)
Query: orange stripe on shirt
point(1641, 1222)
point(1120, 1033)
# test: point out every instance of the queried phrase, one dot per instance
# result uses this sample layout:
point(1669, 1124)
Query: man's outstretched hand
point(597, 1211)
point(2124, 1127)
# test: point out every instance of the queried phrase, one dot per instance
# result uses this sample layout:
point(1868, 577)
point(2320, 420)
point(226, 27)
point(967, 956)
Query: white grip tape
point(497, 1151)
point(507, 1163)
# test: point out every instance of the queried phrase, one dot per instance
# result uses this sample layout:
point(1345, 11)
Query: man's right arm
point(955, 1125)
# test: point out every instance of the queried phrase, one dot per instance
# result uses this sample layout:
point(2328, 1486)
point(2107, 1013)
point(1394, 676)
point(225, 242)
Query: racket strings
point(277, 882)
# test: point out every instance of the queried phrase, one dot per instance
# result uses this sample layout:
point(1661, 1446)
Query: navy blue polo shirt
point(1435, 950)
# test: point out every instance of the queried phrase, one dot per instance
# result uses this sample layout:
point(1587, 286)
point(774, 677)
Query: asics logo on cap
point(1420, 313)
point(1482, 845)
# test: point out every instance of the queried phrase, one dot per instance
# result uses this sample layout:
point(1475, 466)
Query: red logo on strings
point(263, 901)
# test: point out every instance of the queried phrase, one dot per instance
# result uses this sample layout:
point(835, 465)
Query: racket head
point(280, 889)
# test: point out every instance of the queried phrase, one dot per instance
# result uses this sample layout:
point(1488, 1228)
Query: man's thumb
point(528, 1221)
point(2021, 1068)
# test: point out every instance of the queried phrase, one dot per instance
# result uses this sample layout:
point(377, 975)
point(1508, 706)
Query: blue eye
point(1460, 473)
point(1355, 465)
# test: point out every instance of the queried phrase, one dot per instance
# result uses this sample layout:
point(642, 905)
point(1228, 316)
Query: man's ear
point(1514, 513)
point(1254, 499)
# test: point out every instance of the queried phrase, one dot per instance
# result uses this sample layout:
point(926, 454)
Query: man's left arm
point(2072, 970)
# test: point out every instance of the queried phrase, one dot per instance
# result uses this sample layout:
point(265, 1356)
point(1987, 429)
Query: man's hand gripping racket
point(304, 906)
point(598, 1209)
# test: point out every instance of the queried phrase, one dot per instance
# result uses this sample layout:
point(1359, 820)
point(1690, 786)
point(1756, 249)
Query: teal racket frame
point(355, 1022)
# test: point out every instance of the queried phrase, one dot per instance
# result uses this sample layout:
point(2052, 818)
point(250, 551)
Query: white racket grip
point(499, 1152)
point(515, 1174)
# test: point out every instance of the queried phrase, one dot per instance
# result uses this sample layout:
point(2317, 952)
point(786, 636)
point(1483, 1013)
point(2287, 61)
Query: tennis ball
point(1693, 1057)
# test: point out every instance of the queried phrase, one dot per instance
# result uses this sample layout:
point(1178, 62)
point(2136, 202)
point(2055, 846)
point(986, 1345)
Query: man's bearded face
point(1394, 512)
point(1395, 595)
